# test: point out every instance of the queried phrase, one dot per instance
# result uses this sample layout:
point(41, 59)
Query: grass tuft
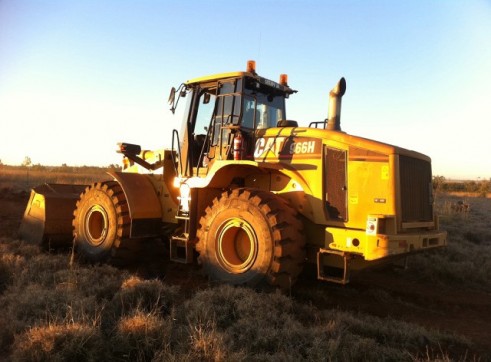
point(59, 342)
point(139, 336)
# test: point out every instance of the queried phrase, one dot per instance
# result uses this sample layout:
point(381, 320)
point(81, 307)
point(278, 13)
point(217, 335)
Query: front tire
point(100, 221)
point(251, 237)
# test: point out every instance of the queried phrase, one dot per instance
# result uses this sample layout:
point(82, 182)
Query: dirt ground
point(385, 292)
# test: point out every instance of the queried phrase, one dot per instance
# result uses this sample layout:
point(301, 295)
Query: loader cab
point(222, 108)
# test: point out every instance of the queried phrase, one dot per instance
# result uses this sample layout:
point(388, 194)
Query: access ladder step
point(181, 249)
point(336, 269)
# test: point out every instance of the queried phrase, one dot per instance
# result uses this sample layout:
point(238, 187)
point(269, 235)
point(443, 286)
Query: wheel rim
point(96, 225)
point(236, 246)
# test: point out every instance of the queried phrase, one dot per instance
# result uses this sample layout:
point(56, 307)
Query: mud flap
point(48, 216)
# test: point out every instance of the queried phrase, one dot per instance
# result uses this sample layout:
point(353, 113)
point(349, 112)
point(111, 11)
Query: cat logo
point(286, 148)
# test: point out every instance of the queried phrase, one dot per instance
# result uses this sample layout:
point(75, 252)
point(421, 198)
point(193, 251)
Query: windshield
point(266, 110)
point(205, 112)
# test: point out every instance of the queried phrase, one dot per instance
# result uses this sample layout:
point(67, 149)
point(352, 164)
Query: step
point(333, 274)
point(181, 249)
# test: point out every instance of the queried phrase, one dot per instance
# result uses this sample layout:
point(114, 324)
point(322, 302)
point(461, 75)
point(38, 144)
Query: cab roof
point(223, 76)
point(219, 76)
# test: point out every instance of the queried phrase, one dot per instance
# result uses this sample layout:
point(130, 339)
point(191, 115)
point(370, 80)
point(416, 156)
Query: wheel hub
point(237, 246)
point(96, 225)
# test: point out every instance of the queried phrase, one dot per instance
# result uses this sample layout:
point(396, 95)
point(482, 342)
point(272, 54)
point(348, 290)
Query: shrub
point(145, 295)
point(59, 342)
point(139, 336)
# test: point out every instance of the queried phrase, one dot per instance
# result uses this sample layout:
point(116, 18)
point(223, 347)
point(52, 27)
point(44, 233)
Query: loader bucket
point(48, 217)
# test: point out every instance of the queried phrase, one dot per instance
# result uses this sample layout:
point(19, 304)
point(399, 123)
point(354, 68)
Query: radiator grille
point(416, 190)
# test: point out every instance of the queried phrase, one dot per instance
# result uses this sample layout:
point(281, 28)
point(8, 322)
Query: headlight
point(185, 198)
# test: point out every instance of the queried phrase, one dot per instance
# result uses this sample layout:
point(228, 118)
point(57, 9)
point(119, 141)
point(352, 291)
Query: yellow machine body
point(359, 201)
point(350, 191)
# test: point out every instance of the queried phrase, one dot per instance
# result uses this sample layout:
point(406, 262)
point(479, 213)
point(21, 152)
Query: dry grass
point(466, 262)
point(59, 342)
point(54, 312)
point(138, 336)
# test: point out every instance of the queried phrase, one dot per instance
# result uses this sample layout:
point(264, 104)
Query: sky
point(77, 77)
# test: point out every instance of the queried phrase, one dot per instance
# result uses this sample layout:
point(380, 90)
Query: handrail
point(324, 122)
point(175, 135)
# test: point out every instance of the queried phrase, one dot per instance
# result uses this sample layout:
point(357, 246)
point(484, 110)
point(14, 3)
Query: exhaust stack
point(334, 115)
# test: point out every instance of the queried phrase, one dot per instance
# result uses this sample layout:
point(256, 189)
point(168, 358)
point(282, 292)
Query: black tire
point(251, 237)
point(101, 222)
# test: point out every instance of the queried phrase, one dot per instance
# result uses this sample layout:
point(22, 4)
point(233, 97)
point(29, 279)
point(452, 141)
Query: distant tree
point(439, 183)
point(114, 166)
point(38, 167)
point(27, 162)
point(484, 188)
point(471, 186)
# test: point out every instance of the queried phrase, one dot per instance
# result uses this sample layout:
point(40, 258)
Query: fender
point(143, 204)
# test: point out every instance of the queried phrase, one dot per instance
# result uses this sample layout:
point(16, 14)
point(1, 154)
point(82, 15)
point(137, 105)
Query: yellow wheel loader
point(249, 194)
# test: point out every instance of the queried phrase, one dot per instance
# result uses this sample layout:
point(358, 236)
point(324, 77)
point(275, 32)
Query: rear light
point(376, 225)
point(372, 225)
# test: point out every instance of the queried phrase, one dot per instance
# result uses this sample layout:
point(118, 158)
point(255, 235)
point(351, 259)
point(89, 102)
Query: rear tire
point(251, 237)
point(101, 221)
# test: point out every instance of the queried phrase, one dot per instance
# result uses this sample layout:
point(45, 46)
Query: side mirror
point(172, 96)
point(172, 99)
point(206, 98)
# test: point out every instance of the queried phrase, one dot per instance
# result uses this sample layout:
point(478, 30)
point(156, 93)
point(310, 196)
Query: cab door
point(225, 119)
